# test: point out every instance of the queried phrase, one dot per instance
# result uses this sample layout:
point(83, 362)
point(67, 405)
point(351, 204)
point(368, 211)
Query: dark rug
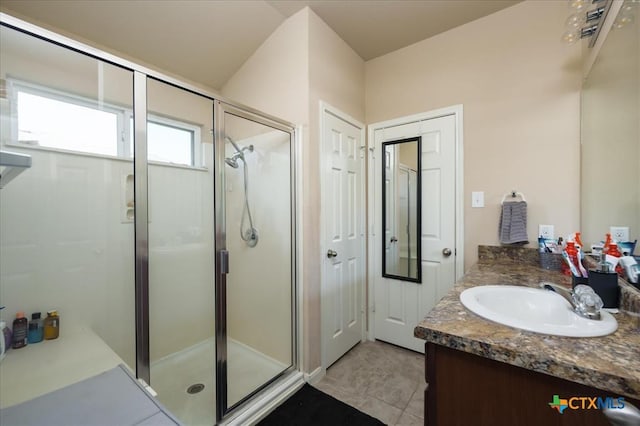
point(311, 407)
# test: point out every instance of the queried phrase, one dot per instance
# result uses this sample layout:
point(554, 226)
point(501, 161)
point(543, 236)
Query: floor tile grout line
point(374, 359)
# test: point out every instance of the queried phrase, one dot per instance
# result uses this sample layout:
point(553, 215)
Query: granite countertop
point(610, 363)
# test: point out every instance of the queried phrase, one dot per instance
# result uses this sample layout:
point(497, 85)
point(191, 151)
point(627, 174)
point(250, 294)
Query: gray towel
point(513, 223)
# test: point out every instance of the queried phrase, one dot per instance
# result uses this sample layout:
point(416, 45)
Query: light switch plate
point(619, 233)
point(546, 231)
point(477, 199)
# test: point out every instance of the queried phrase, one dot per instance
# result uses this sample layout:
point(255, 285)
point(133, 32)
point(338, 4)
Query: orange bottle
point(607, 242)
point(579, 241)
point(613, 250)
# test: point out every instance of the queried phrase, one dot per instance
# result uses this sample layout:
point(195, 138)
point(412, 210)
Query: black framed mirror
point(401, 209)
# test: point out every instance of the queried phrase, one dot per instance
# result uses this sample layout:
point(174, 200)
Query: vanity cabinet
point(466, 389)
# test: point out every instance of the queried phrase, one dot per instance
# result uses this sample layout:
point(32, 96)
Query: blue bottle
point(36, 330)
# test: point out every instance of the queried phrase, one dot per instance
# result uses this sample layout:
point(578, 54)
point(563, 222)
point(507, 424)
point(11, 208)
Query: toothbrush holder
point(605, 284)
point(578, 280)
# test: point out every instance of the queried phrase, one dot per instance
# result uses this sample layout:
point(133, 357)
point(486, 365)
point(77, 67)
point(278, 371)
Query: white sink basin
point(532, 309)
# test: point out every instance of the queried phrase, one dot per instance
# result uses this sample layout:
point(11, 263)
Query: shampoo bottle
point(51, 325)
point(35, 334)
point(20, 325)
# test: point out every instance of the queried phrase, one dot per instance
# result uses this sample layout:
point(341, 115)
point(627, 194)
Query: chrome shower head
point(233, 162)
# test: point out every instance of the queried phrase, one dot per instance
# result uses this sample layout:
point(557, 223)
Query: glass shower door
point(181, 270)
point(255, 229)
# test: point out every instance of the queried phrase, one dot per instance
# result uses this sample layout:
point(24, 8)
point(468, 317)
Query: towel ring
point(512, 194)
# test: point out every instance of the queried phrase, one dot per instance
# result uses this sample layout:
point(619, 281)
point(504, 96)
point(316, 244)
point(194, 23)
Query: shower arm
point(234, 144)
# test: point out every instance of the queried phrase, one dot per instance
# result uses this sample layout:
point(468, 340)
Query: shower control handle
point(331, 253)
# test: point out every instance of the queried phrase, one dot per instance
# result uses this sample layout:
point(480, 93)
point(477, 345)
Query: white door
point(343, 235)
point(400, 305)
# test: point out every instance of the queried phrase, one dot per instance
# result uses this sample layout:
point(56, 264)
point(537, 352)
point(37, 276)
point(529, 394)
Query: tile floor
point(382, 380)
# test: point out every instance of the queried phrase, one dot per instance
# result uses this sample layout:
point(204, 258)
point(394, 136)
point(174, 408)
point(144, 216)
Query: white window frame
point(124, 119)
point(196, 147)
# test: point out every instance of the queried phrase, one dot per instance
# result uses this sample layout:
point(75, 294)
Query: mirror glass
point(610, 133)
point(401, 252)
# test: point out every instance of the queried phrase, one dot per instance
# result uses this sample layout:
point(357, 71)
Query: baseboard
point(315, 376)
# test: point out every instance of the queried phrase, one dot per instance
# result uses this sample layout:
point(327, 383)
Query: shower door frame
point(222, 255)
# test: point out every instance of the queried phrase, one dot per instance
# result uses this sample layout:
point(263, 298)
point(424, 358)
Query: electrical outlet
point(619, 233)
point(546, 231)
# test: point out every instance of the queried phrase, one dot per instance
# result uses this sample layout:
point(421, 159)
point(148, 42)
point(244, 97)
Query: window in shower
point(57, 121)
point(62, 121)
point(171, 141)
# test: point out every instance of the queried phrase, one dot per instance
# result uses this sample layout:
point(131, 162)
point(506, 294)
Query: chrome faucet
point(584, 301)
point(626, 416)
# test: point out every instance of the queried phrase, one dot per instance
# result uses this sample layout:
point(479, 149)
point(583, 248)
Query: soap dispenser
point(604, 282)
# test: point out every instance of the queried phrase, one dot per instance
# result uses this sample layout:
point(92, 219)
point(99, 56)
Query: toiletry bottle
point(51, 325)
point(5, 339)
point(579, 243)
point(20, 325)
point(36, 333)
point(7, 334)
point(613, 251)
point(572, 252)
point(607, 242)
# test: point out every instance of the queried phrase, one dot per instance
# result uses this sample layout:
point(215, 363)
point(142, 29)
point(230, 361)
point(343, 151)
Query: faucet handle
point(587, 302)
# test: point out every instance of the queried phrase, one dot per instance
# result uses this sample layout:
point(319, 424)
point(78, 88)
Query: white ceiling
point(207, 41)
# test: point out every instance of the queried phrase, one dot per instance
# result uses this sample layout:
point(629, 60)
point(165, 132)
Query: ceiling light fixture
point(626, 15)
point(582, 22)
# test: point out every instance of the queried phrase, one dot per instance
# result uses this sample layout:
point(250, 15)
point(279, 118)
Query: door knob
point(331, 253)
point(394, 240)
point(446, 252)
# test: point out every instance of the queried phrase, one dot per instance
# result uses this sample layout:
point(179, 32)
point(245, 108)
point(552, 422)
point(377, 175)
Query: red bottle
point(572, 252)
point(579, 241)
point(613, 251)
point(607, 242)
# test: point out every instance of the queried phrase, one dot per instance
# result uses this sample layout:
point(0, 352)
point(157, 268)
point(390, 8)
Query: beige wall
point(519, 86)
point(275, 78)
point(301, 63)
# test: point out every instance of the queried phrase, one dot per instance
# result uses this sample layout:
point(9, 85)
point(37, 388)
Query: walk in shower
point(158, 219)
